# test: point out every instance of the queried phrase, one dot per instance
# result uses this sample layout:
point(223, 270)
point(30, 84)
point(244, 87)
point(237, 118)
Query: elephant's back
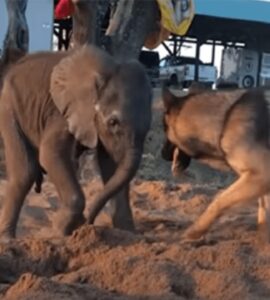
point(34, 70)
point(26, 91)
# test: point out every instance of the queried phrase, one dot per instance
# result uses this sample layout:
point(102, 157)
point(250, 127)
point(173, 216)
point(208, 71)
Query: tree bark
point(16, 40)
point(84, 22)
point(17, 37)
point(87, 22)
point(130, 23)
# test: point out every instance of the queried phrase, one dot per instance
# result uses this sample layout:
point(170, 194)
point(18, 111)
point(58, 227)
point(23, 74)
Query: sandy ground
point(98, 262)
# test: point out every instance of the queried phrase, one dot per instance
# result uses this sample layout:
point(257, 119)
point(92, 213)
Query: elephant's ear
point(76, 83)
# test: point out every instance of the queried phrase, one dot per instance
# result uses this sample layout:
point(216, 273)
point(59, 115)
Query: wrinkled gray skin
point(53, 104)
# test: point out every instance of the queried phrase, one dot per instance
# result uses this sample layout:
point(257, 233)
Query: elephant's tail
point(39, 180)
point(38, 183)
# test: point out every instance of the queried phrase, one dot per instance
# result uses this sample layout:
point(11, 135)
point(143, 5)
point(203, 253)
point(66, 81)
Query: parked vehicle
point(180, 70)
point(240, 66)
point(265, 70)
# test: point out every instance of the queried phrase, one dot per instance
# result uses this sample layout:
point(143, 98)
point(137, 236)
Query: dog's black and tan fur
point(227, 129)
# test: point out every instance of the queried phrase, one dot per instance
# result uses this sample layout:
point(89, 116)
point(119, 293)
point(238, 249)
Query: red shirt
point(63, 9)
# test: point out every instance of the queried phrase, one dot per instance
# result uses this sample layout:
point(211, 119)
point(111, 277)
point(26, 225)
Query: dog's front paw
point(193, 233)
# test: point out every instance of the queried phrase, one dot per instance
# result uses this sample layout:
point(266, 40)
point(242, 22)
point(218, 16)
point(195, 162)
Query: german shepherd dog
point(228, 130)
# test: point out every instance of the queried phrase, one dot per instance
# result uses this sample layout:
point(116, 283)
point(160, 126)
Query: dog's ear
point(168, 97)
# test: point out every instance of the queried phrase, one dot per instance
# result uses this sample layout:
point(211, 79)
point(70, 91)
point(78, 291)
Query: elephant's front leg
point(56, 158)
point(119, 208)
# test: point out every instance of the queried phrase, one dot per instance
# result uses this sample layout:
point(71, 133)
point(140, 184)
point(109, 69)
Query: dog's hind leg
point(264, 217)
point(254, 182)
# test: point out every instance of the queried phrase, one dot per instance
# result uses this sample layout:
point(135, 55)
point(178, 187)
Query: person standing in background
point(63, 9)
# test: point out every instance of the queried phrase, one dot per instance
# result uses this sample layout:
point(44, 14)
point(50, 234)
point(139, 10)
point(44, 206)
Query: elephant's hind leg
point(56, 159)
point(119, 205)
point(21, 168)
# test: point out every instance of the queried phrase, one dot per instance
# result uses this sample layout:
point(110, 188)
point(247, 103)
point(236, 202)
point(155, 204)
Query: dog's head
point(170, 151)
point(170, 102)
point(173, 105)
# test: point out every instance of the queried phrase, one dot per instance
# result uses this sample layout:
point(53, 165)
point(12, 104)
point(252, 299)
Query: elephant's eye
point(113, 122)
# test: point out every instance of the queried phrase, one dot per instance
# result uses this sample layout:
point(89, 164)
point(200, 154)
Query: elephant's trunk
point(123, 174)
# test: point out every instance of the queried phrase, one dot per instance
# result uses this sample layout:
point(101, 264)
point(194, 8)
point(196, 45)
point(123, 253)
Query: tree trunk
point(130, 23)
point(87, 22)
point(16, 41)
point(84, 22)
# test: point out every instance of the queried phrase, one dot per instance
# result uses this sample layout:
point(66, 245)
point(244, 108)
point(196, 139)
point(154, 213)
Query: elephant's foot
point(123, 223)
point(6, 237)
point(67, 222)
point(121, 215)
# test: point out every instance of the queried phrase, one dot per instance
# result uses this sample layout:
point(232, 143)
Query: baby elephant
point(228, 130)
point(53, 104)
